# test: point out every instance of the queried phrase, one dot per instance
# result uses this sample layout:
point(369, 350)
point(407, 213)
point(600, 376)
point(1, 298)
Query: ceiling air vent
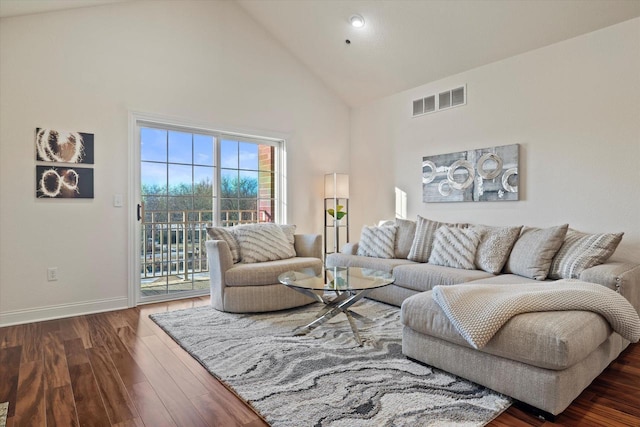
point(444, 100)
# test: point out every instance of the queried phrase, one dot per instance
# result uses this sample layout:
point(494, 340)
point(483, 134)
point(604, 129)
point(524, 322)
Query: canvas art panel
point(64, 183)
point(481, 175)
point(63, 146)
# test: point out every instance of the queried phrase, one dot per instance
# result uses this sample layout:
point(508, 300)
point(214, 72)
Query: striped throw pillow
point(263, 242)
point(226, 234)
point(423, 239)
point(378, 242)
point(455, 247)
point(581, 251)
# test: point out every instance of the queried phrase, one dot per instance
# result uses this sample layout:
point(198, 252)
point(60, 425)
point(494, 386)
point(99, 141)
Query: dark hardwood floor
point(120, 369)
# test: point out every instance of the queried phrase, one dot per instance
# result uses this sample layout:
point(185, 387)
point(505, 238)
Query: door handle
point(140, 211)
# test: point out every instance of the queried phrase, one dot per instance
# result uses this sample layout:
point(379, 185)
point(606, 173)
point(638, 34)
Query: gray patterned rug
point(324, 378)
point(4, 409)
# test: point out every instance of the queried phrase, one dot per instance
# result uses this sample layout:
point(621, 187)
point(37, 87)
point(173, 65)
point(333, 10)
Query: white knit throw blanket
point(479, 311)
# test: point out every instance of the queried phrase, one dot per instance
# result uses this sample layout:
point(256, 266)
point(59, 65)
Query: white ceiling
point(405, 43)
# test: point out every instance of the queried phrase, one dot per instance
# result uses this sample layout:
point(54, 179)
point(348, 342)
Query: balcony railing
point(174, 241)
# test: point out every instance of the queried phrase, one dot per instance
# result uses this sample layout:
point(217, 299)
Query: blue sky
point(176, 147)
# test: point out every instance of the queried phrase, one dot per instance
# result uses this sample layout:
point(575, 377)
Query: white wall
point(84, 69)
point(574, 108)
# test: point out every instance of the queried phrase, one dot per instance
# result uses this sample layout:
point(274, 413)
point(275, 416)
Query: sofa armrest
point(622, 277)
point(350, 249)
point(308, 245)
point(220, 260)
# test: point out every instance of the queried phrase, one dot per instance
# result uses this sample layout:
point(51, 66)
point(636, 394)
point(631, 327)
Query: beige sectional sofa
point(544, 359)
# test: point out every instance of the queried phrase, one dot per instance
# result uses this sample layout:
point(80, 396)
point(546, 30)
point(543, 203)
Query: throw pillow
point(423, 239)
point(495, 247)
point(534, 250)
point(404, 237)
point(263, 242)
point(455, 247)
point(377, 242)
point(581, 251)
point(289, 231)
point(226, 234)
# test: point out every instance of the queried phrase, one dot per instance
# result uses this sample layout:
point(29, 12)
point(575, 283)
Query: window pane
point(203, 181)
point(229, 212)
point(203, 150)
point(179, 204)
point(153, 203)
point(203, 204)
point(228, 183)
point(248, 184)
point(180, 149)
point(153, 177)
point(248, 156)
point(153, 144)
point(179, 180)
point(229, 154)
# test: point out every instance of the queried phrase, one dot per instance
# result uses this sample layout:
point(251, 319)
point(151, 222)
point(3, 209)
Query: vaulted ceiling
point(404, 43)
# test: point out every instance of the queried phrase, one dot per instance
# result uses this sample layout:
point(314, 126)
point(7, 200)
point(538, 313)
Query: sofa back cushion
point(404, 237)
point(534, 250)
point(455, 247)
point(581, 251)
point(423, 239)
point(377, 242)
point(226, 234)
point(495, 247)
point(263, 242)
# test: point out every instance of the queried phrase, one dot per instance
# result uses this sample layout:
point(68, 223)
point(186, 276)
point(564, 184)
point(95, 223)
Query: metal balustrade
point(174, 241)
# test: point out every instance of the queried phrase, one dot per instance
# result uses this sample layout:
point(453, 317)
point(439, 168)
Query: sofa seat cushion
point(266, 273)
point(423, 277)
point(505, 279)
point(382, 264)
point(550, 340)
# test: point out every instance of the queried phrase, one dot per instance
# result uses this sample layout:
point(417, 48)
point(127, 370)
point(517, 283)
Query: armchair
point(251, 288)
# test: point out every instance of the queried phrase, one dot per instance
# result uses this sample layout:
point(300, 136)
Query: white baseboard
point(39, 314)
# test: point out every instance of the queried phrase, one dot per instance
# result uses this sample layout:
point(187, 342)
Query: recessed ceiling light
point(357, 21)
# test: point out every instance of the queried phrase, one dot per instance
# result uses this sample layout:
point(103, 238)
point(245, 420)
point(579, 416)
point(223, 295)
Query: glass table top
point(337, 279)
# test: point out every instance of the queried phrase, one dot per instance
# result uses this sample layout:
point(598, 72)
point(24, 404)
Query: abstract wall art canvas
point(483, 175)
point(63, 146)
point(64, 182)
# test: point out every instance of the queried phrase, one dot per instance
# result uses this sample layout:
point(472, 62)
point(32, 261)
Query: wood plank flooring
point(120, 369)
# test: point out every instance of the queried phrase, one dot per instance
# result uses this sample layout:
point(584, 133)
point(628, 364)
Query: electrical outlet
point(52, 274)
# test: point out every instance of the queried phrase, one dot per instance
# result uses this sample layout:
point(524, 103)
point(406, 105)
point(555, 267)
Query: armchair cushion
point(266, 273)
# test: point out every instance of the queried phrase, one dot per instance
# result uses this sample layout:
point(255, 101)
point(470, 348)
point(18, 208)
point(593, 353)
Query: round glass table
point(337, 289)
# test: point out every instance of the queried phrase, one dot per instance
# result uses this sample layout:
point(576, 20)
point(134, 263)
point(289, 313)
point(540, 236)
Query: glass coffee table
point(343, 287)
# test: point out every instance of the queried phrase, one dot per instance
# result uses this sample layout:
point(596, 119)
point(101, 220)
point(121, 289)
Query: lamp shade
point(336, 185)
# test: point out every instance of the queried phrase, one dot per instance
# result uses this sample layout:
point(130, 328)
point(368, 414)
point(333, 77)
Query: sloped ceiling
point(404, 43)
point(407, 43)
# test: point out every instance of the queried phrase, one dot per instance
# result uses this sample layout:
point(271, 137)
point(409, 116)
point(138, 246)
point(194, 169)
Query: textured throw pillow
point(263, 242)
point(535, 248)
point(404, 237)
point(423, 239)
point(495, 247)
point(455, 247)
point(581, 251)
point(289, 231)
point(377, 242)
point(226, 234)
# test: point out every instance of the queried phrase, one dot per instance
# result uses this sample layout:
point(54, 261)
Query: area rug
point(4, 409)
point(324, 378)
